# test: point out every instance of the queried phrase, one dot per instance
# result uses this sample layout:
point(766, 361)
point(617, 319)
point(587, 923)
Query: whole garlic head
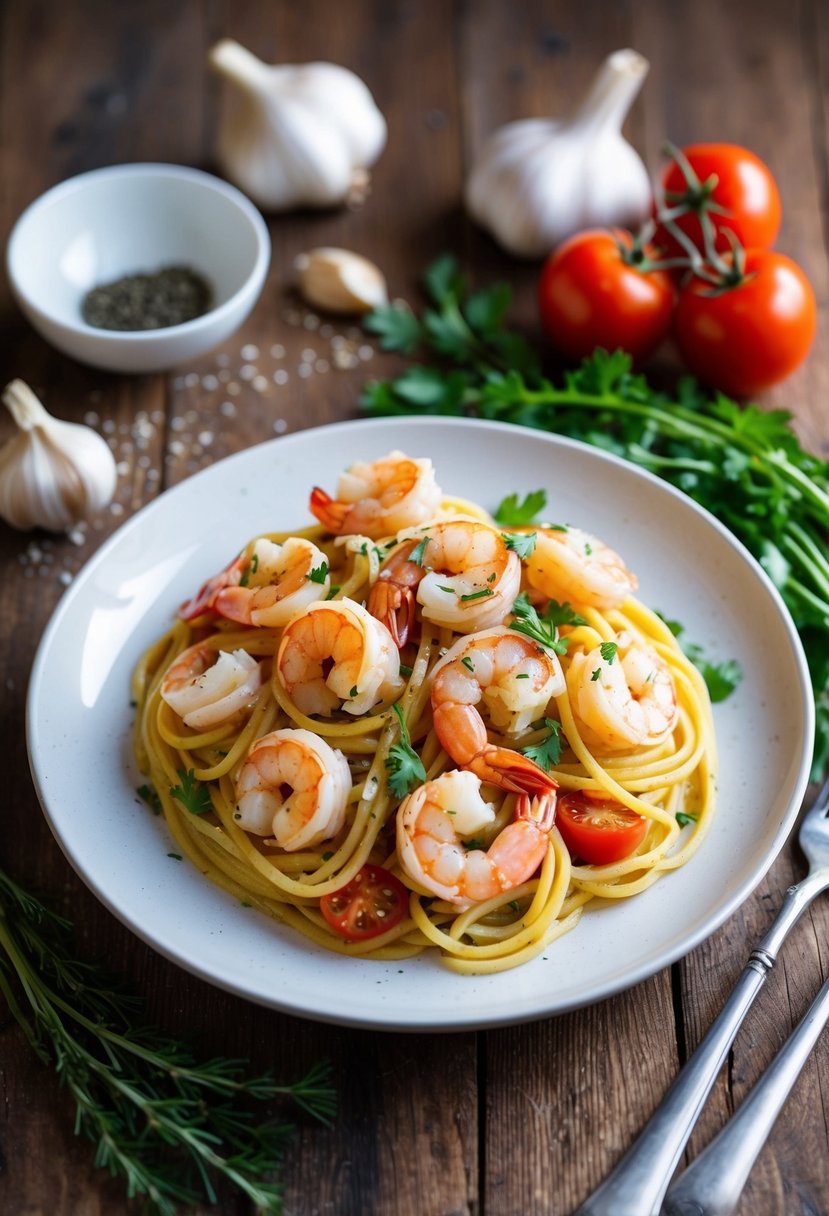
point(295, 135)
point(337, 280)
point(539, 181)
point(52, 473)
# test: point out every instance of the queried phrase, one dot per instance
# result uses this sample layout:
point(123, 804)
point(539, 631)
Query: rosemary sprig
point(170, 1126)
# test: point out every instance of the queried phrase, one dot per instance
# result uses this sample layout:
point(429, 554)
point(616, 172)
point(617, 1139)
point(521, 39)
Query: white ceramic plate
point(689, 567)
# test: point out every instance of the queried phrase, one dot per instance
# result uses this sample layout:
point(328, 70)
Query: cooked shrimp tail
point(329, 511)
point(470, 747)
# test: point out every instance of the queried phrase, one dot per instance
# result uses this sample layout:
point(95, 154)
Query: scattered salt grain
point(249, 352)
point(280, 426)
point(280, 376)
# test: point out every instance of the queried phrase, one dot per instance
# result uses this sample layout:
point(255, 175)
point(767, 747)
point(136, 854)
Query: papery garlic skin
point(537, 182)
point(337, 280)
point(52, 473)
point(295, 135)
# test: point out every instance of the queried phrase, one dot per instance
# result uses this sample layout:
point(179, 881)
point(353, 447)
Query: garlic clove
point(337, 280)
point(537, 182)
point(52, 473)
point(295, 135)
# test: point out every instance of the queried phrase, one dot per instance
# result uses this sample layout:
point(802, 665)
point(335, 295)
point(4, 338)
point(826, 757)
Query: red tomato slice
point(372, 903)
point(598, 829)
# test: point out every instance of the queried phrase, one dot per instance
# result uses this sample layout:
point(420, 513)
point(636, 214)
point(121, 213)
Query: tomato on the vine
point(746, 337)
point(596, 290)
point(744, 194)
point(372, 903)
point(597, 829)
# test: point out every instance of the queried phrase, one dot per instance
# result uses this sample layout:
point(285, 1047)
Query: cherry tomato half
point(373, 902)
point(591, 295)
point(745, 338)
point(598, 829)
point(744, 188)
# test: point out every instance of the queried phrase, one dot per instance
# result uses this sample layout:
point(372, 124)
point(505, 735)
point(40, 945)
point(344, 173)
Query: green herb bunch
point(743, 463)
point(170, 1126)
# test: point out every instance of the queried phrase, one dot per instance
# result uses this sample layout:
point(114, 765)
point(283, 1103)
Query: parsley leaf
point(319, 573)
point(608, 651)
point(683, 819)
point(419, 550)
point(147, 794)
point(522, 543)
point(398, 328)
point(513, 512)
point(404, 766)
point(547, 753)
point(544, 629)
point(192, 794)
point(720, 678)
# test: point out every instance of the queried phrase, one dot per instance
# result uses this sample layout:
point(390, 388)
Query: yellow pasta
point(196, 770)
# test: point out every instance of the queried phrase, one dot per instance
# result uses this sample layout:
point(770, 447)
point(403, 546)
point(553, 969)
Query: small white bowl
point(134, 219)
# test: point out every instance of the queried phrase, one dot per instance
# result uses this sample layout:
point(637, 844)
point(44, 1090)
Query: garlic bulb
point(295, 135)
point(52, 473)
point(538, 182)
point(338, 280)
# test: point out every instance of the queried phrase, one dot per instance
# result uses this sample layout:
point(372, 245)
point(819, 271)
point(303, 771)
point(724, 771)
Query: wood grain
point(519, 1120)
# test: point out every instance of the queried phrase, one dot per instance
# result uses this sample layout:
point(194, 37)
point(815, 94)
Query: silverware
point(714, 1181)
point(637, 1184)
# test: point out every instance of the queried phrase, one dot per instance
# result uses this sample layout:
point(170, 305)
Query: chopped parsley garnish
point(547, 753)
point(512, 512)
point(477, 595)
point(522, 543)
point(683, 819)
point(419, 550)
point(147, 794)
point(474, 844)
point(405, 768)
point(353, 692)
point(319, 573)
point(176, 856)
point(608, 651)
point(333, 591)
point(192, 795)
point(597, 675)
point(467, 662)
point(405, 669)
point(544, 628)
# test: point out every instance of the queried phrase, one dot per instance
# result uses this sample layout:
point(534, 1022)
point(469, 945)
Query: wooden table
point(523, 1120)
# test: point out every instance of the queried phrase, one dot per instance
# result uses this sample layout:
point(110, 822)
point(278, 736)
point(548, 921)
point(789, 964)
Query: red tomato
point(598, 829)
point(373, 902)
point(592, 294)
point(743, 339)
point(744, 187)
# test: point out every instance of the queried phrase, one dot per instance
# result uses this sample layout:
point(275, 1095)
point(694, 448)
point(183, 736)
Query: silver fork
point(637, 1184)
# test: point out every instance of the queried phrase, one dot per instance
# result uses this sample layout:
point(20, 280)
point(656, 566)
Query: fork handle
point(637, 1185)
point(713, 1183)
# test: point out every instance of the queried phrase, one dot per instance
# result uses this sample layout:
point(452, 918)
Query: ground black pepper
point(148, 301)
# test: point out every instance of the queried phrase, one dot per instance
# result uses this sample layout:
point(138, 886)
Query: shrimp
point(568, 564)
point(516, 679)
point(293, 786)
point(205, 597)
point(281, 580)
point(435, 820)
point(335, 655)
point(631, 702)
point(380, 499)
point(206, 687)
point(466, 579)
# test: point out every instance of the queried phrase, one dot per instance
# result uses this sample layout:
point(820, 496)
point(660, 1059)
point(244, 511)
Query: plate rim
point(411, 1024)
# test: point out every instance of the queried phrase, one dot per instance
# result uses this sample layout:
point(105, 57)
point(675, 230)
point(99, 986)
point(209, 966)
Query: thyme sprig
point(743, 463)
point(170, 1126)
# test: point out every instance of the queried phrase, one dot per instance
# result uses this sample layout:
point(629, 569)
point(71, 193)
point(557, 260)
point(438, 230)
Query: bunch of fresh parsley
point(170, 1126)
point(743, 464)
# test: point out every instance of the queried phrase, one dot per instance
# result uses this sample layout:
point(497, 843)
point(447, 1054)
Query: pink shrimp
point(379, 499)
point(434, 821)
point(516, 679)
point(466, 578)
point(278, 582)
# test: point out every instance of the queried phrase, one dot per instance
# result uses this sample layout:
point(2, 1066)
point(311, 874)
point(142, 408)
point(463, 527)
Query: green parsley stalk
point(171, 1127)
point(742, 463)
